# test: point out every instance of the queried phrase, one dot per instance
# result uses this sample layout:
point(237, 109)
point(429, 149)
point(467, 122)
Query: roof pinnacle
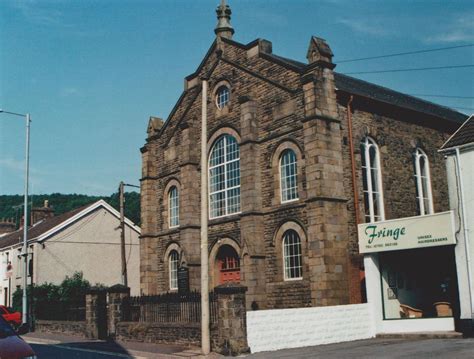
point(223, 27)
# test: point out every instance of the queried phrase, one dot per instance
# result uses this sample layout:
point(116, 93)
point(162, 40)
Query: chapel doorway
point(228, 265)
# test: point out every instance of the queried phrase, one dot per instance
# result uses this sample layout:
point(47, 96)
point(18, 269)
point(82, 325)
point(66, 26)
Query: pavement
point(69, 346)
point(419, 347)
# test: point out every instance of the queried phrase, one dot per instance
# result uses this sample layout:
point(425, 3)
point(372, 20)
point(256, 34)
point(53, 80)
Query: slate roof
point(463, 136)
point(38, 229)
point(369, 90)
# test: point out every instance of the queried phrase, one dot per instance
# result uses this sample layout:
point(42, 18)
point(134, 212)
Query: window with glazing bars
point(222, 97)
point(288, 176)
point(292, 259)
point(423, 183)
point(173, 269)
point(224, 177)
point(173, 207)
point(372, 181)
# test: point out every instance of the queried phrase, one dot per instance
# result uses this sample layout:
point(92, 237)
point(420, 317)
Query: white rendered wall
point(92, 246)
point(467, 172)
point(276, 329)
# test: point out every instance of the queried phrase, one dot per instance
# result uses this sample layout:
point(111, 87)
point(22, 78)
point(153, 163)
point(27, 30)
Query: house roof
point(463, 136)
point(47, 227)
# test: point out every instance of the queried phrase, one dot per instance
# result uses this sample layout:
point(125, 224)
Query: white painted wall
point(276, 329)
point(467, 173)
point(91, 245)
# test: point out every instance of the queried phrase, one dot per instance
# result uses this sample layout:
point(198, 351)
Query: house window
point(372, 181)
point(288, 176)
point(423, 183)
point(173, 209)
point(173, 269)
point(292, 260)
point(224, 177)
point(222, 97)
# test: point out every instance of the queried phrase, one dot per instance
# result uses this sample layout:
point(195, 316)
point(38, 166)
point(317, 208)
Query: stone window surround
point(172, 182)
point(287, 144)
point(221, 131)
point(381, 203)
point(225, 110)
point(213, 270)
point(173, 246)
point(417, 155)
point(278, 245)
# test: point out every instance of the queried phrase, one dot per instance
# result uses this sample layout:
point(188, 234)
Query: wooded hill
point(11, 206)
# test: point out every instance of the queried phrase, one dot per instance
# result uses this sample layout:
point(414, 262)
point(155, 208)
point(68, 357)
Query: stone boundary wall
point(61, 327)
point(276, 329)
point(166, 333)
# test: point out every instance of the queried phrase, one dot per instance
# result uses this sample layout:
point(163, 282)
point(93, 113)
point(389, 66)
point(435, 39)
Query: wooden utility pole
point(122, 235)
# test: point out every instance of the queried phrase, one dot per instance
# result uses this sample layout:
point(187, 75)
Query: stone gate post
point(96, 316)
point(232, 319)
point(115, 307)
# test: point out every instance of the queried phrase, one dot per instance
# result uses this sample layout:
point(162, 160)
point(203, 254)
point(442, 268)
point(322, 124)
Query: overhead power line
point(447, 96)
point(406, 53)
point(407, 70)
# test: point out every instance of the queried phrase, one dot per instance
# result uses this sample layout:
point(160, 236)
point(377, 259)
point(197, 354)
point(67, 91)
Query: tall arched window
point(292, 259)
point(224, 177)
point(288, 176)
point(173, 207)
point(372, 180)
point(173, 260)
point(423, 183)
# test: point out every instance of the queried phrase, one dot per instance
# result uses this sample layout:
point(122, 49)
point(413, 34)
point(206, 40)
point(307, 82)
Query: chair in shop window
point(409, 312)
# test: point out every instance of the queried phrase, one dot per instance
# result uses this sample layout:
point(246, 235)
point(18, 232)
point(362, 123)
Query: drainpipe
point(466, 230)
point(353, 170)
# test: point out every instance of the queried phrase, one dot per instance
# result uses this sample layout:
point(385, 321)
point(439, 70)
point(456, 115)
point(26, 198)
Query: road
point(381, 348)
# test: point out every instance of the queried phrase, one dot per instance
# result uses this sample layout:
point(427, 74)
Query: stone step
point(421, 335)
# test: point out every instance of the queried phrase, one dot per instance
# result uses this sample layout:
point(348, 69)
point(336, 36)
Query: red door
point(229, 265)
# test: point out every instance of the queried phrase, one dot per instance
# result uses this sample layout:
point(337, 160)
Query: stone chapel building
point(298, 155)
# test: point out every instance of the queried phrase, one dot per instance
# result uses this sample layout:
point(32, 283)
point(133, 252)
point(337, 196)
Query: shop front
point(410, 272)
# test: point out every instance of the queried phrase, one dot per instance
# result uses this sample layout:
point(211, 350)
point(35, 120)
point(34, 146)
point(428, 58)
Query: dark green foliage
point(52, 301)
point(67, 202)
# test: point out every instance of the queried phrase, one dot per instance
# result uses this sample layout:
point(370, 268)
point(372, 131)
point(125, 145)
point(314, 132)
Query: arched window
point(224, 177)
point(292, 259)
point(372, 180)
point(222, 97)
point(288, 176)
point(173, 207)
point(173, 260)
point(423, 183)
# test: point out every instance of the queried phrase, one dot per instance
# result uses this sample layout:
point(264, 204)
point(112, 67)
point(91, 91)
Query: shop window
point(224, 177)
point(173, 207)
point(288, 176)
point(424, 196)
point(292, 259)
point(222, 97)
point(173, 269)
point(372, 181)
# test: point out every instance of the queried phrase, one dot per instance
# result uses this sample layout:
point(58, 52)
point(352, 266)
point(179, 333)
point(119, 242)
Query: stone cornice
point(321, 117)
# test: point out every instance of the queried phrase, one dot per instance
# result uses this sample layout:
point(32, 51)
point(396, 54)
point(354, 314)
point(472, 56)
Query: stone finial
point(223, 27)
point(154, 125)
point(319, 50)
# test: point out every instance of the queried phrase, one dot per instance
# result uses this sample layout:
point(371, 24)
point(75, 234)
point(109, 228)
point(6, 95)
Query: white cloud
point(364, 26)
point(459, 29)
point(69, 91)
point(35, 12)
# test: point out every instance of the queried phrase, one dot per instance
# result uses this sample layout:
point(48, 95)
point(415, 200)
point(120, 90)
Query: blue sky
point(92, 72)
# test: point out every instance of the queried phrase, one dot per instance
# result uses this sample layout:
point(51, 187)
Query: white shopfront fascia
point(415, 227)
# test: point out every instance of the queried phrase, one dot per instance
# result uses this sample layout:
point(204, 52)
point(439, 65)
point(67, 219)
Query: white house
point(459, 151)
point(84, 240)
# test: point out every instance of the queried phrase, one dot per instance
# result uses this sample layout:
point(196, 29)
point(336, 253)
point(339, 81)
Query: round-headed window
point(222, 97)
